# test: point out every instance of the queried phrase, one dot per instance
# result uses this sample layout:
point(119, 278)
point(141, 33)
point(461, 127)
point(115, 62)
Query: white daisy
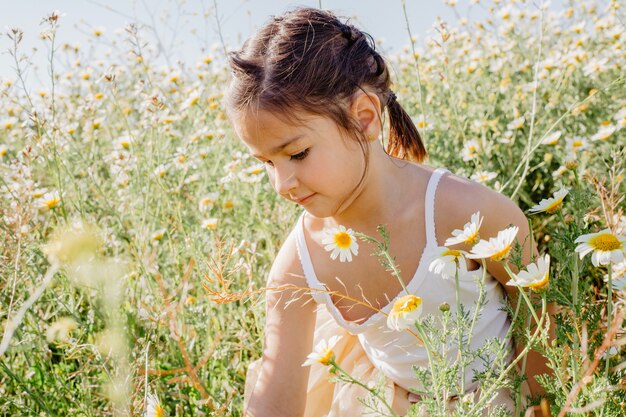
point(606, 247)
point(483, 176)
point(446, 262)
point(516, 124)
point(341, 242)
point(604, 133)
point(552, 138)
point(536, 276)
point(552, 204)
point(497, 248)
point(210, 223)
point(575, 144)
point(470, 150)
point(154, 407)
point(323, 352)
point(469, 234)
point(49, 200)
point(405, 311)
point(158, 235)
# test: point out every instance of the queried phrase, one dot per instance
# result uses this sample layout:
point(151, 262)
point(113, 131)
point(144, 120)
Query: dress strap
point(429, 206)
point(307, 264)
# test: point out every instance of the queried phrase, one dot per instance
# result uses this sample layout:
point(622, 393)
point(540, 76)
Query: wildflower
point(341, 242)
point(60, 330)
point(469, 234)
point(206, 203)
point(536, 276)
point(516, 124)
point(154, 407)
point(483, 176)
point(604, 133)
point(606, 247)
point(158, 235)
point(595, 65)
point(323, 352)
point(575, 144)
point(552, 204)
point(446, 262)
point(552, 138)
point(423, 124)
point(49, 200)
point(405, 311)
point(210, 223)
point(3, 151)
point(496, 249)
point(470, 150)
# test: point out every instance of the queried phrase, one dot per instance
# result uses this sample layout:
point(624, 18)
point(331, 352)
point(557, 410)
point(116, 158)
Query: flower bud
point(443, 307)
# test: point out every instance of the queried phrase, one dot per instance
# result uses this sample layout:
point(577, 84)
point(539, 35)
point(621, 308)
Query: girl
point(307, 98)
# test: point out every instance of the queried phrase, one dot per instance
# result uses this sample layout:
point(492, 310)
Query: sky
point(187, 30)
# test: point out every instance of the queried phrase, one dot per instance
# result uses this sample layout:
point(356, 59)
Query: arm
point(463, 198)
point(499, 212)
point(289, 326)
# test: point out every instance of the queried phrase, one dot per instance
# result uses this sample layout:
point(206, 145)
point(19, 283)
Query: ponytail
point(404, 140)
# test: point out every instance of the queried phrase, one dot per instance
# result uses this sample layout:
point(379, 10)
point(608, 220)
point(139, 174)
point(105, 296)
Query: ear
point(365, 109)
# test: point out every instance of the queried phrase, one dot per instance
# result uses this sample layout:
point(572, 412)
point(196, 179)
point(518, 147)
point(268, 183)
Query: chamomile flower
point(210, 223)
point(49, 200)
point(323, 352)
point(618, 276)
point(207, 202)
point(552, 138)
point(496, 248)
point(604, 133)
point(575, 144)
point(606, 247)
point(154, 407)
point(552, 204)
point(446, 262)
point(516, 123)
point(536, 276)
point(340, 242)
point(469, 234)
point(406, 310)
point(158, 235)
point(470, 150)
point(483, 176)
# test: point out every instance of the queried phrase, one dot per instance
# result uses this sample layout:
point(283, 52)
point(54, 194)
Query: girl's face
point(312, 163)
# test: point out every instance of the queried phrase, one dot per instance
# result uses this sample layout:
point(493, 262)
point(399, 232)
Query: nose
point(284, 181)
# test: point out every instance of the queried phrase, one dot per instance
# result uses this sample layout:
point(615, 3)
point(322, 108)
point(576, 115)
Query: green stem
point(488, 393)
point(609, 318)
point(362, 385)
point(459, 328)
point(522, 292)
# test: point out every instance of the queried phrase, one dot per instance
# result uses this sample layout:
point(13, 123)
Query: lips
point(304, 199)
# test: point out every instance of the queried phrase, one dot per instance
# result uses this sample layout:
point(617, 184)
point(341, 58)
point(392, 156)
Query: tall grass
point(136, 232)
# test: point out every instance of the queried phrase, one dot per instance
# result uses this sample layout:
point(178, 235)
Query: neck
point(380, 197)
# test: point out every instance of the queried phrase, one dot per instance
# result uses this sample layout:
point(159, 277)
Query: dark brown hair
point(308, 60)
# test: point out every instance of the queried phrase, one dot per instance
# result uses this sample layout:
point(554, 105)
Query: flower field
point(136, 232)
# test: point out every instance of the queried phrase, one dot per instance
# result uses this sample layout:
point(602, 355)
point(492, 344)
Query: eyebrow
point(282, 146)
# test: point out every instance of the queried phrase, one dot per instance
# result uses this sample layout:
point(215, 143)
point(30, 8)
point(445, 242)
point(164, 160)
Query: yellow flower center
point(554, 206)
point(577, 143)
point(326, 357)
point(406, 304)
point(158, 411)
point(451, 252)
point(500, 255)
point(472, 239)
point(536, 286)
point(605, 242)
point(52, 203)
point(343, 240)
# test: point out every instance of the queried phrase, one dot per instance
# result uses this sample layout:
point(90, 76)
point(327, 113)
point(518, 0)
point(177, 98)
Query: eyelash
point(297, 157)
point(301, 155)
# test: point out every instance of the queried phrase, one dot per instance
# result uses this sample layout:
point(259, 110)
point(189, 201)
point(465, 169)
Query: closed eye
point(301, 155)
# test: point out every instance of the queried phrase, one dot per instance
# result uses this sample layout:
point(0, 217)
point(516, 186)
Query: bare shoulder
point(287, 268)
point(458, 198)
